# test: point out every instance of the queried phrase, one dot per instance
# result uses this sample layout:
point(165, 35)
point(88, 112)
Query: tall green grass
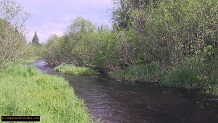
point(210, 83)
point(72, 69)
point(182, 76)
point(143, 72)
point(26, 92)
point(192, 77)
point(26, 60)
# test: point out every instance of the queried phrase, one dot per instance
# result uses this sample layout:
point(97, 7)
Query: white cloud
point(45, 30)
point(53, 16)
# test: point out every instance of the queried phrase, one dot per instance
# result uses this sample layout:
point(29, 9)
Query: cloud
point(45, 30)
point(53, 16)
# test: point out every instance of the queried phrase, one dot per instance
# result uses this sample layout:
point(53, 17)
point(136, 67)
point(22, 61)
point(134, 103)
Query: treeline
point(178, 38)
point(83, 45)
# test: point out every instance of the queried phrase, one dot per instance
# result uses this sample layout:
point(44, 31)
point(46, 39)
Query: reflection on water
point(123, 102)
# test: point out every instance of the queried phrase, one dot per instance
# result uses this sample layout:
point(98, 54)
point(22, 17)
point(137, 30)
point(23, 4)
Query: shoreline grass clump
point(141, 73)
point(192, 75)
point(182, 76)
point(38, 94)
point(72, 69)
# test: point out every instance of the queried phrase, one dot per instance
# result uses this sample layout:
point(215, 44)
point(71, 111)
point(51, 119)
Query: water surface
point(124, 102)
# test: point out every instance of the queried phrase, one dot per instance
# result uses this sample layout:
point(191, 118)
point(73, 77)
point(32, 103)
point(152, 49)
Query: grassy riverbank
point(184, 76)
point(25, 91)
point(72, 69)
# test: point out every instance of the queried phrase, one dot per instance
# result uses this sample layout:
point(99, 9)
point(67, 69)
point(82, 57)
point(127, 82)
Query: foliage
point(71, 69)
point(53, 51)
point(35, 51)
point(181, 39)
point(12, 29)
point(83, 45)
point(39, 95)
point(122, 11)
point(170, 32)
point(173, 30)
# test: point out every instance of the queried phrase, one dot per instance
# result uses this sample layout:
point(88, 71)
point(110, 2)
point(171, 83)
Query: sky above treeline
point(50, 17)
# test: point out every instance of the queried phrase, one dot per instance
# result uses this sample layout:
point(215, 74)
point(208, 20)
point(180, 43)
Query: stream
point(125, 102)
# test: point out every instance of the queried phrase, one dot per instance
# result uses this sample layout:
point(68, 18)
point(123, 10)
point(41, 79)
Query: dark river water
point(125, 102)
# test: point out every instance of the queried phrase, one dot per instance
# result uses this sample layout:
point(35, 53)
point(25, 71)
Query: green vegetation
point(83, 45)
point(26, 92)
point(140, 73)
point(12, 39)
point(165, 41)
point(27, 60)
point(191, 78)
point(183, 42)
point(72, 69)
point(182, 77)
point(13, 44)
point(35, 48)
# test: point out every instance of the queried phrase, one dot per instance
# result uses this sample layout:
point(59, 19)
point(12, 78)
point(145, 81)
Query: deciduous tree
point(12, 31)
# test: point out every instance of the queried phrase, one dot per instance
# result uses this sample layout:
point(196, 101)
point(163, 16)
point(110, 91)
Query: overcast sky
point(53, 16)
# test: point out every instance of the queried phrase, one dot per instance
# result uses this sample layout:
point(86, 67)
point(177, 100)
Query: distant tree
point(35, 39)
